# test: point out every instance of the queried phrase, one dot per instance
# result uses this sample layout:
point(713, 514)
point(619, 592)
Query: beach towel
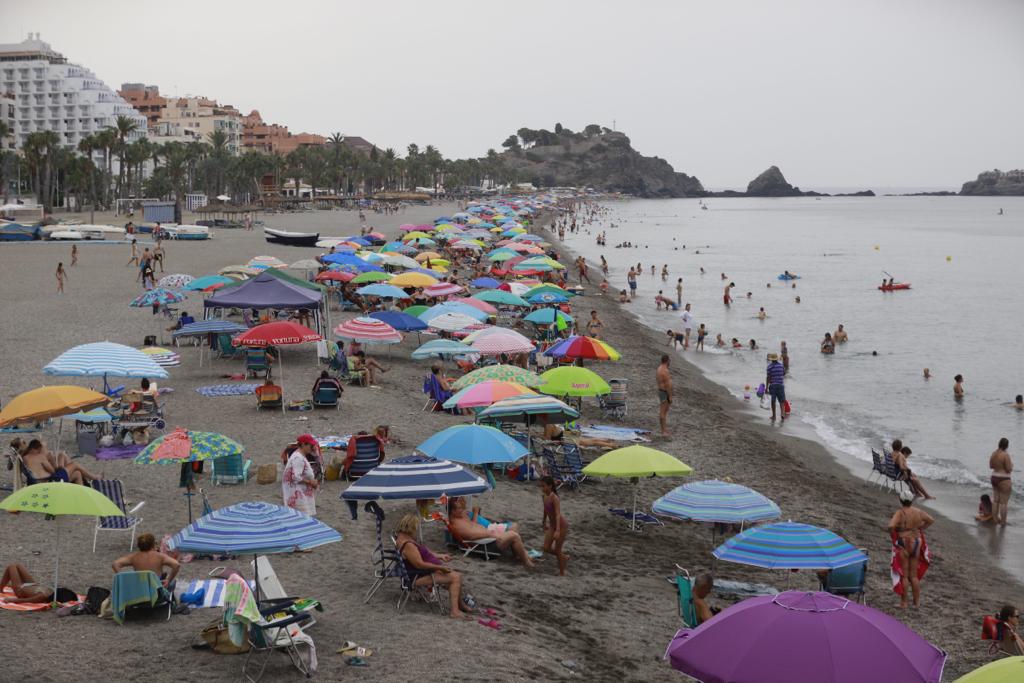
point(213, 591)
point(896, 572)
point(118, 452)
point(615, 433)
point(227, 389)
point(30, 606)
point(338, 443)
point(242, 609)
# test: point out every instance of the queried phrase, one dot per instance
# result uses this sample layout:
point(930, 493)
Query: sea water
point(963, 315)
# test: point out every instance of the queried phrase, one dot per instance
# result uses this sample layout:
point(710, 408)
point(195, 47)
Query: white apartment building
point(8, 116)
point(56, 95)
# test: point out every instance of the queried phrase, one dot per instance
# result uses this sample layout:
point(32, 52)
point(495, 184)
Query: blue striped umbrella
point(442, 348)
point(415, 478)
point(789, 545)
point(521, 409)
point(204, 327)
point(473, 445)
point(253, 528)
point(452, 307)
point(716, 501)
point(159, 295)
point(104, 359)
point(382, 290)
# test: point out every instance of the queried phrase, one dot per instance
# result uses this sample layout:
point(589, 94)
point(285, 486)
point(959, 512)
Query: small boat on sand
point(293, 239)
point(185, 232)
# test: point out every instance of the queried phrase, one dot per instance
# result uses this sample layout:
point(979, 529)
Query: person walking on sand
point(727, 295)
point(1002, 470)
point(62, 277)
point(556, 527)
point(906, 526)
point(664, 379)
point(687, 317)
point(774, 380)
point(135, 254)
point(74, 255)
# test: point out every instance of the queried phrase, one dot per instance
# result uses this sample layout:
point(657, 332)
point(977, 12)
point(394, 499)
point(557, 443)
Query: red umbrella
point(478, 304)
point(281, 333)
point(335, 276)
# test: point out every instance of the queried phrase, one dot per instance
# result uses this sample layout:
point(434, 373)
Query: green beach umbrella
point(572, 380)
point(60, 498)
point(416, 311)
point(1006, 670)
point(371, 276)
point(500, 297)
point(502, 373)
point(634, 462)
point(546, 289)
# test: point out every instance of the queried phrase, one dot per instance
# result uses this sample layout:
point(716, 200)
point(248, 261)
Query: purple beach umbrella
point(798, 636)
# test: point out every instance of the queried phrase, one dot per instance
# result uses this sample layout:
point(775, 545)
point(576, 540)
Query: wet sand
point(611, 618)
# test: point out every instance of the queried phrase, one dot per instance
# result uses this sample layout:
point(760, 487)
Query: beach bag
point(128, 439)
point(94, 599)
point(785, 407)
point(333, 470)
point(266, 473)
point(217, 639)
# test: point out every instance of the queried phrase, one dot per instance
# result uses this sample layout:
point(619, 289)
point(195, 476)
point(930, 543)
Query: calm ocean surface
point(964, 314)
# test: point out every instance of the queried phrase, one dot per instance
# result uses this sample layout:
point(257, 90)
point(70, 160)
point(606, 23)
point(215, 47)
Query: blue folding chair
point(112, 489)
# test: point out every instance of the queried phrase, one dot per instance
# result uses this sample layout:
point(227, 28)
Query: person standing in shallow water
point(958, 387)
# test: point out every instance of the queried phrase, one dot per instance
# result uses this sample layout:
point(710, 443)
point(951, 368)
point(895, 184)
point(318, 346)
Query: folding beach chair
point(572, 462)
point(365, 451)
point(407, 579)
point(112, 489)
point(385, 561)
point(269, 396)
point(877, 468)
point(848, 581)
point(684, 591)
point(231, 469)
point(256, 363)
point(138, 593)
point(486, 548)
point(559, 472)
point(279, 629)
point(225, 349)
point(327, 396)
point(637, 520)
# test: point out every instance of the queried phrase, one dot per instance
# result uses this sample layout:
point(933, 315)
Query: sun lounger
point(684, 593)
point(270, 586)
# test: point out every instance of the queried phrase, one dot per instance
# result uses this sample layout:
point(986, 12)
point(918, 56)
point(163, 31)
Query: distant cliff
point(1003, 183)
point(597, 157)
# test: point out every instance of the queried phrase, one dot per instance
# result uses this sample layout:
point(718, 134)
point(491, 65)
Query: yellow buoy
point(876, 247)
point(949, 259)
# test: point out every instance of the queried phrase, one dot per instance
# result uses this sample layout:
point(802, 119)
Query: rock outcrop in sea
point(771, 183)
point(599, 158)
point(996, 182)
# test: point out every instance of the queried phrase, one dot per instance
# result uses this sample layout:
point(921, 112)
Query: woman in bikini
point(62, 277)
point(1002, 469)
point(426, 568)
point(556, 527)
point(27, 589)
point(907, 523)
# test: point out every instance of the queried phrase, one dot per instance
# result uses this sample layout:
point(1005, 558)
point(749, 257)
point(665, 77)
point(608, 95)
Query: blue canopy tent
point(266, 292)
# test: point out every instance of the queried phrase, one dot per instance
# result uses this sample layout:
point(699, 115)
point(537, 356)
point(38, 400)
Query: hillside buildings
point(51, 93)
point(273, 138)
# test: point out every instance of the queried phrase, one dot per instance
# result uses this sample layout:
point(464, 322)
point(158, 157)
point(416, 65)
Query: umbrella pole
point(636, 488)
point(56, 567)
point(280, 366)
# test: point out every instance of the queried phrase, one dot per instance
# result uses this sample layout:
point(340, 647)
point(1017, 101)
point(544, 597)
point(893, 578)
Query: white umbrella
point(452, 322)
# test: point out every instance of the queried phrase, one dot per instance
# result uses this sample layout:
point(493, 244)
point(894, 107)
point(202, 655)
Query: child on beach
point(604, 287)
point(701, 333)
point(74, 255)
point(556, 528)
point(62, 276)
point(675, 338)
point(719, 342)
point(984, 509)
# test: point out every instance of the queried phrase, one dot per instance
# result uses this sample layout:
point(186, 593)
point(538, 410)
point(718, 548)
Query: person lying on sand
point(148, 558)
point(426, 568)
point(553, 432)
point(27, 589)
point(468, 530)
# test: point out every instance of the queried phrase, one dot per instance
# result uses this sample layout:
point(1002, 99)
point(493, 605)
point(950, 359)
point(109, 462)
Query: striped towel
point(615, 433)
point(227, 389)
point(213, 595)
point(336, 442)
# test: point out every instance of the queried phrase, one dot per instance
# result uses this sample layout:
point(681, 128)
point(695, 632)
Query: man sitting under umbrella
point(506, 536)
point(148, 558)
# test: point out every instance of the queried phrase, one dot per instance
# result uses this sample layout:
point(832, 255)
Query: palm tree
point(218, 159)
point(106, 141)
point(123, 127)
point(5, 130)
point(40, 149)
point(87, 146)
point(176, 167)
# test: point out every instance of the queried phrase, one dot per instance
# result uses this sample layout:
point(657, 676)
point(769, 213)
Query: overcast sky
point(864, 93)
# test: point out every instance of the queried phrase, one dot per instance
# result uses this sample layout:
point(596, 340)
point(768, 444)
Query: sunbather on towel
point(149, 558)
point(26, 589)
point(426, 568)
point(45, 465)
point(553, 432)
point(468, 530)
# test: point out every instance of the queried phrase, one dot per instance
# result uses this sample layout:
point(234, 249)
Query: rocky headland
point(771, 183)
point(996, 183)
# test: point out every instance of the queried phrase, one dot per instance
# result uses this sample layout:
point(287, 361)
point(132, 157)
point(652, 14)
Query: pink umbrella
point(477, 304)
point(499, 343)
point(408, 227)
point(443, 289)
point(368, 331)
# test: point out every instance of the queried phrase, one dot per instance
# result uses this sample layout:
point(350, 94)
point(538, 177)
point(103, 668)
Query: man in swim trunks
point(1002, 469)
point(774, 380)
point(840, 336)
point(664, 380)
point(727, 295)
point(631, 279)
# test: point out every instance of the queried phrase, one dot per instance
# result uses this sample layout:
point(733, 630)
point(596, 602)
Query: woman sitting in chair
point(325, 380)
point(427, 569)
point(43, 465)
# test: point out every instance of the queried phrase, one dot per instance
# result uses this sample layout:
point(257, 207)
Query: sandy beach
point(609, 619)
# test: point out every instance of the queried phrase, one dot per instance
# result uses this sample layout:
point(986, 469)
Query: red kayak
point(893, 287)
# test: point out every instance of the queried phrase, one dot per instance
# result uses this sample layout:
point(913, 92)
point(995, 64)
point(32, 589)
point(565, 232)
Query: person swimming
point(1018, 402)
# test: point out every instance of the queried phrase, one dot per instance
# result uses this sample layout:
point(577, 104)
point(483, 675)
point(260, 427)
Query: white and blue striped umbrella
point(253, 528)
point(415, 478)
point(520, 408)
point(789, 545)
point(157, 296)
point(204, 327)
point(101, 359)
point(716, 501)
